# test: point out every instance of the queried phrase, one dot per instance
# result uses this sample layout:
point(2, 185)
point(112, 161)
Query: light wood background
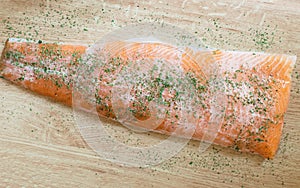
point(39, 143)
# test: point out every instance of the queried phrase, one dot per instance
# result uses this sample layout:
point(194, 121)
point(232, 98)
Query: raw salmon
point(256, 87)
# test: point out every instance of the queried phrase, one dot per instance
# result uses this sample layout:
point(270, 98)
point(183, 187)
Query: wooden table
point(39, 143)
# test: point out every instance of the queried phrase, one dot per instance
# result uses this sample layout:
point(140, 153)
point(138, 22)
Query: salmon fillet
point(256, 87)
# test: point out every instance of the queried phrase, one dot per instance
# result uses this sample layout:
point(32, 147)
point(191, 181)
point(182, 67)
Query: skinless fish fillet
point(256, 87)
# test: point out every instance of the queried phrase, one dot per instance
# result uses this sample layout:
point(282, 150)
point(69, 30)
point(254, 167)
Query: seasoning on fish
point(256, 87)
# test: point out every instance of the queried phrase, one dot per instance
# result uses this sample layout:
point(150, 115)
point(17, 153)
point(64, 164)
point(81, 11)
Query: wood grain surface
point(40, 145)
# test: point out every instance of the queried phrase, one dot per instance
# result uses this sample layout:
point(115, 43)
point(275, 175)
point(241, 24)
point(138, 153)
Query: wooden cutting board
point(39, 143)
